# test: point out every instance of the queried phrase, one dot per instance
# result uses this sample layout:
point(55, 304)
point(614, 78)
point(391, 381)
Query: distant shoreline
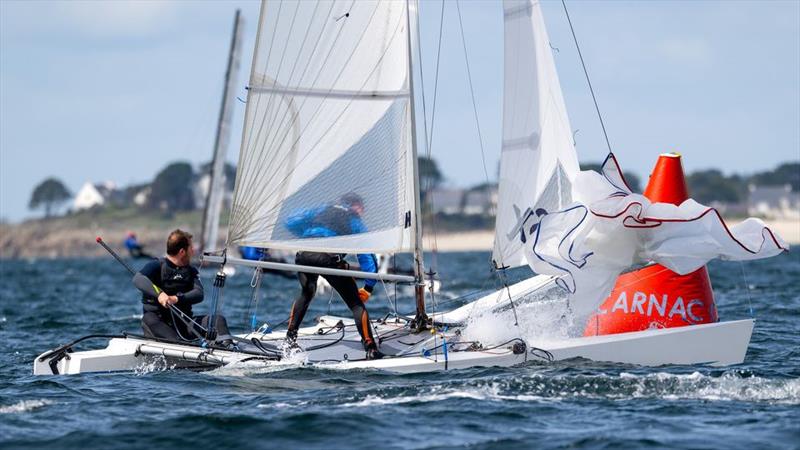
point(60, 239)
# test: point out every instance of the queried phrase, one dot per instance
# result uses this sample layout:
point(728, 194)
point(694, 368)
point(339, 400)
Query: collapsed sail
point(608, 229)
point(538, 160)
point(327, 119)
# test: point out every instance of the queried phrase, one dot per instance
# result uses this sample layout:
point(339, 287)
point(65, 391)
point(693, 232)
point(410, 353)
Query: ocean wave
point(281, 405)
point(730, 386)
point(489, 392)
point(24, 406)
point(125, 318)
point(374, 400)
point(154, 364)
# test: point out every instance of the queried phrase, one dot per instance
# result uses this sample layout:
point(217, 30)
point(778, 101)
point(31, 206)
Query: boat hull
point(717, 344)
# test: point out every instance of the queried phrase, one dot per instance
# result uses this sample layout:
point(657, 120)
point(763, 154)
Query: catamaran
point(331, 111)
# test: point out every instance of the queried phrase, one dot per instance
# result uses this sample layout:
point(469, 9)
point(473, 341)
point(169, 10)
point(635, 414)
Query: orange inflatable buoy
point(654, 296)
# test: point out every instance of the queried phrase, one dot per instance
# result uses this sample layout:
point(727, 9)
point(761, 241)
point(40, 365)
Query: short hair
point(177, 240)
point(350, 199)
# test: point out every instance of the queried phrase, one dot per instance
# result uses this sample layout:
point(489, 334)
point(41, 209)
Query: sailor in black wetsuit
point(180, 285)
point(334, 220)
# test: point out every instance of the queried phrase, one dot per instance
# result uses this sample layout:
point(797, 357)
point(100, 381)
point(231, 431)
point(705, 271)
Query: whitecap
point(280, 405)
point(730, 386)
point(24, 406)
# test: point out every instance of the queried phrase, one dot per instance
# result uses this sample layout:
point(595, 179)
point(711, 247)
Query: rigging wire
point(480, 141)
point(472, 92)
point(429, 139)
point(586, 73)
point(429, 136)
point(429, 147)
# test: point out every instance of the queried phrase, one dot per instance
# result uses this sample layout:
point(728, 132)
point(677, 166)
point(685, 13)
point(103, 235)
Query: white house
point(481, 201)
point(87, 197)
point(446, 201)
point(91, 195)
point(774, 202)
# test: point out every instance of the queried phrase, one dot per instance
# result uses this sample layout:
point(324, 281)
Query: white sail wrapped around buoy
point(608, 229)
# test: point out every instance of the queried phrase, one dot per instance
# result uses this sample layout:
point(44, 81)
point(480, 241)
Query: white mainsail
point(328, 114)
point(538, 159)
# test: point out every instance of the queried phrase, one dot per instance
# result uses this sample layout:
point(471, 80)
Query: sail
point(216, 188)
point(608, 229)
point(327, 120)
point(538, 160)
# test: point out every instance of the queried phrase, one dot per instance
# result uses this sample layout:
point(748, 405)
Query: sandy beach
point(481, 240)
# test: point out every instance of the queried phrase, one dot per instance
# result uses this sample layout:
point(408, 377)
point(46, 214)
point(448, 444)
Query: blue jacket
point(131, 243)
point(253, 253)
point(329, 221)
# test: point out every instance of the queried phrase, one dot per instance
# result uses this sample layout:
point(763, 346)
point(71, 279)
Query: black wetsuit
point(183, 282)
point(345, 286)
point(138, 252)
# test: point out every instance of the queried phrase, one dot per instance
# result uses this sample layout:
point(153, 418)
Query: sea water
point(576, 404)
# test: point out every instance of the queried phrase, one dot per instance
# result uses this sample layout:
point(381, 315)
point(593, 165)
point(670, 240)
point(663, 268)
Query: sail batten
point(328, 119)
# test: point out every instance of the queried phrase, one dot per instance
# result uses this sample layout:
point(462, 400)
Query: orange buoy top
point(654, 296)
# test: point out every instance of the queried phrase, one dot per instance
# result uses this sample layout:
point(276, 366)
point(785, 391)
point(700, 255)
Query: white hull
point(716, 344)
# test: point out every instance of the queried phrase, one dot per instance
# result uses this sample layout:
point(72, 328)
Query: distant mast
point(216, 188)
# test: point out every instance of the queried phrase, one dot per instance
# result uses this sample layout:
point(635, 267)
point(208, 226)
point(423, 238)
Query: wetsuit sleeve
point(195, 295)
point(149, 275)
point(367, 261)
point(301, 220)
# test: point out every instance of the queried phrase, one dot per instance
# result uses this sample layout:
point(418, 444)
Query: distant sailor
point(181, 287)
point(135, 249)
point(340, 219)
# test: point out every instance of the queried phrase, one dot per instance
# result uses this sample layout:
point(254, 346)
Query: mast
point(211, 212)
point(420, 321)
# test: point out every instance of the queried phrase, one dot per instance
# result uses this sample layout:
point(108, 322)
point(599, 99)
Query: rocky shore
point(67, 238)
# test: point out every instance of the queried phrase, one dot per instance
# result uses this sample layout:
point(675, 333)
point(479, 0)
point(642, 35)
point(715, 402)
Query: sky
point(114, 91)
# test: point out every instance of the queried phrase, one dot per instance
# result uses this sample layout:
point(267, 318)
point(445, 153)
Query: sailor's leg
point(308, 287)
point(347, 289)
point(154, 325)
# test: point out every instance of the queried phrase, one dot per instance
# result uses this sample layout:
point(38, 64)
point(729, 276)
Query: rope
point(586, 72)
point(747, 289)
point(429, 137)
point(252, 311)
point(389, 297)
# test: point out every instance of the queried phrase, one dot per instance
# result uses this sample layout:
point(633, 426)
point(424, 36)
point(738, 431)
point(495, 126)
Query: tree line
point(172, 188)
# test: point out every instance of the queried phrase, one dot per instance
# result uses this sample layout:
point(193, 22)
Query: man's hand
point(166, 300)
point(363, 294)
